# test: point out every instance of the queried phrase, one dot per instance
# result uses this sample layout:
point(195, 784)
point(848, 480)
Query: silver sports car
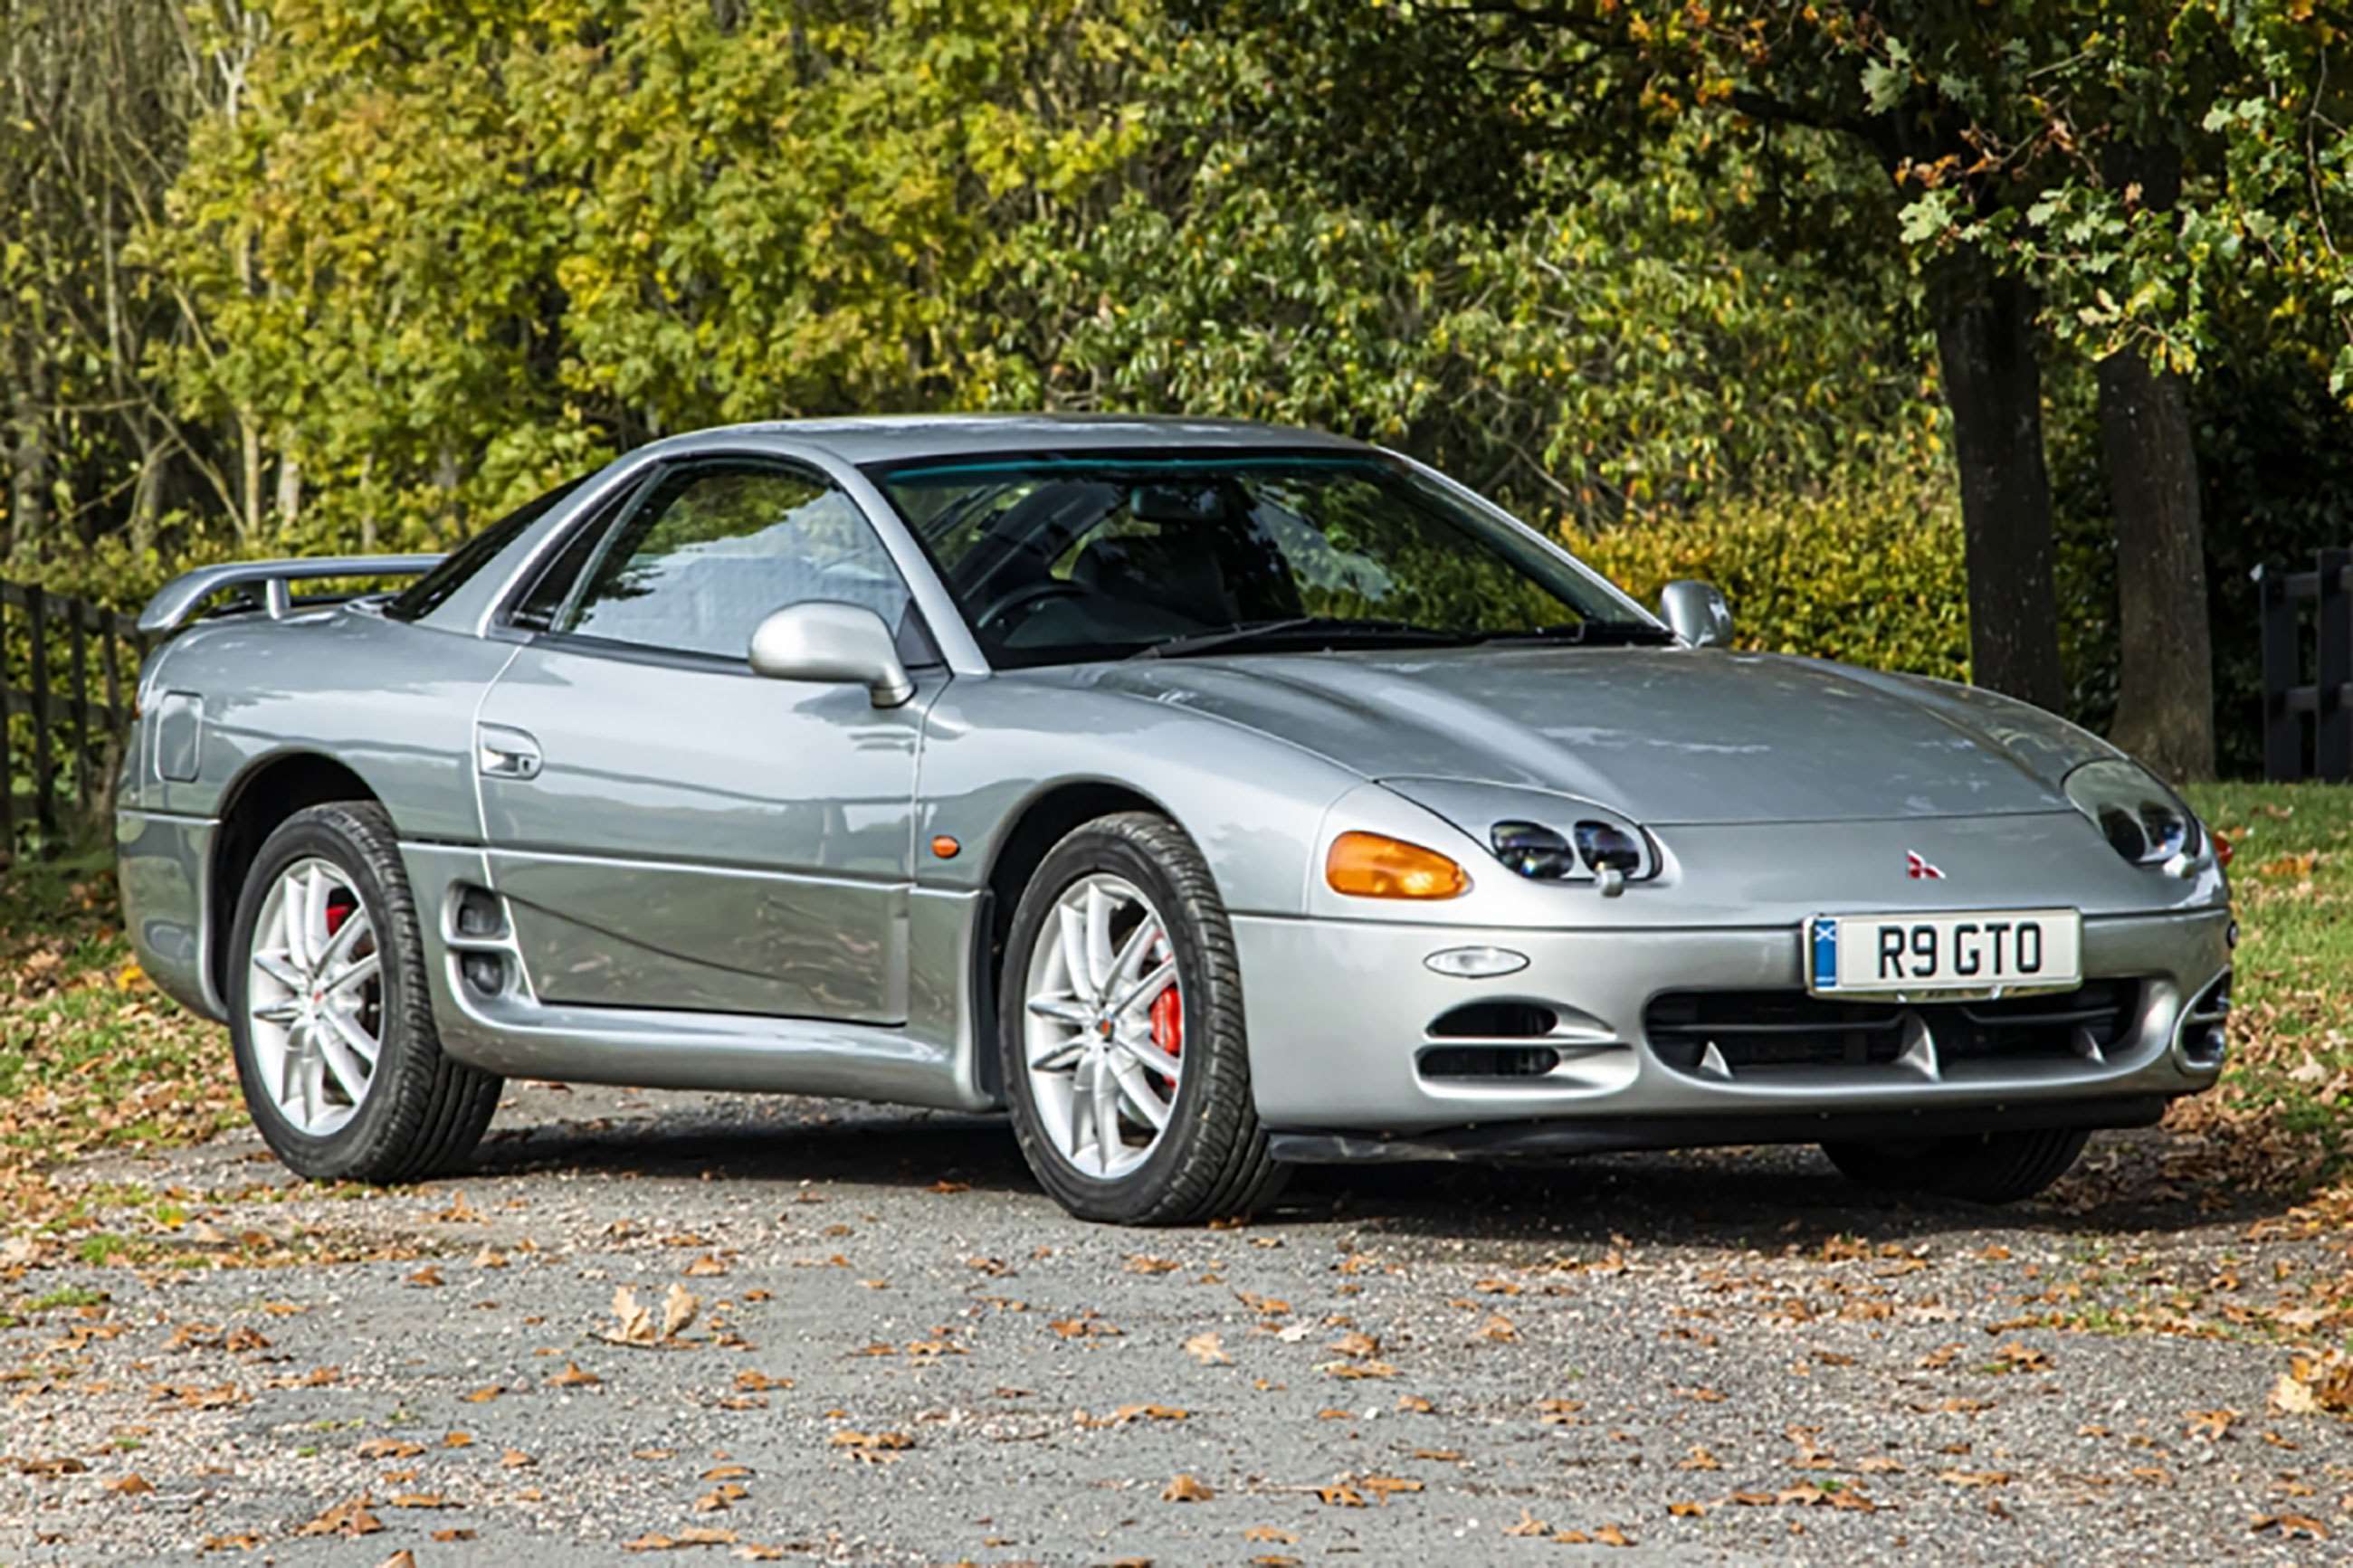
point(1212, 798)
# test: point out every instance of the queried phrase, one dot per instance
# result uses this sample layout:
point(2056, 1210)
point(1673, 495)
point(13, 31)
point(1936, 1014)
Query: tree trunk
point(1993, 383)
point(2165, 692)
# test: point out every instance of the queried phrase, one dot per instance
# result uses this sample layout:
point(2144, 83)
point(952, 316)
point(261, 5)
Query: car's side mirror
point(1697, 613)
point(846, 644)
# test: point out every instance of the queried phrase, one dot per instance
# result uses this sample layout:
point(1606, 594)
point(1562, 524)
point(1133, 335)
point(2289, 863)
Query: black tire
point(423, 1111)
point(1211, 1162)
point(1982, 1168)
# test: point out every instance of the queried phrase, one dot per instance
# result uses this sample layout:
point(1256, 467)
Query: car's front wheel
point(1121, 1035)
point(330, 1016)
point(1985, 1168)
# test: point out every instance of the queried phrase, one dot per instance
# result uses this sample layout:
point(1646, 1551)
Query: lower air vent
point(2206, 1025)
point(1495, 1021)
point(1489, 1061)
point(485, 971)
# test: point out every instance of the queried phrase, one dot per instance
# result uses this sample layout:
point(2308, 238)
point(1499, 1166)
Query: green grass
point(2289, 1088)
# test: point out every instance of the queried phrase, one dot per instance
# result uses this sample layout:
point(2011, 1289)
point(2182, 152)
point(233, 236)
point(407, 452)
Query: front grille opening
point(2095, 1019)
point(1766, 1030)
point(1772, 1029)
point(1489, 1061)
point(1496, 1021)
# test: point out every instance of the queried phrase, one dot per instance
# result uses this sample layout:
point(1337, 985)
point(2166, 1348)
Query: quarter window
point(714, 551)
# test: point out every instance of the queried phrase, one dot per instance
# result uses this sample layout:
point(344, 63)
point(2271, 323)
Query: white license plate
point(1980, 951)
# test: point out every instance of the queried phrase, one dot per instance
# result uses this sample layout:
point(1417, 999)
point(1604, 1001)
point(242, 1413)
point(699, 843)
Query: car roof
point(887, 438)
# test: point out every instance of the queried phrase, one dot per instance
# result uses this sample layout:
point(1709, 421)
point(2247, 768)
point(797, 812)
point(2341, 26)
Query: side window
point(714, 551)
point(536, 610)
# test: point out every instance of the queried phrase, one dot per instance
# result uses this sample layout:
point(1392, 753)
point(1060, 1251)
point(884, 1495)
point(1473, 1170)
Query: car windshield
point(1058, 560)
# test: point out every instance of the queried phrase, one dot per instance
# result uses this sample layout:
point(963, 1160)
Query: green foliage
point(1867, 576)
point(449, 253)
point(1604, 352)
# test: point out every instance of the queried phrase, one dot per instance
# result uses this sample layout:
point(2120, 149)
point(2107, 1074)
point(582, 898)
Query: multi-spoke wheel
point(1106, 1025)
point(331, 1015)
point(314, 1000)
point(1121, 1034)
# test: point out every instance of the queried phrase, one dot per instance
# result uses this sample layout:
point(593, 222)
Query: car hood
point(1667, 735)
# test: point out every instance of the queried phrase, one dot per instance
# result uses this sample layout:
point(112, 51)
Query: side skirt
point(934, 1059)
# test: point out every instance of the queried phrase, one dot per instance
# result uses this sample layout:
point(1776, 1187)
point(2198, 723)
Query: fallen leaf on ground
point(1187, 1488)
point(1208, 1348)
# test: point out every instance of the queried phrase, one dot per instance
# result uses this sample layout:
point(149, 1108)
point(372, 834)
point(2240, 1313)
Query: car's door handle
point(501, 753)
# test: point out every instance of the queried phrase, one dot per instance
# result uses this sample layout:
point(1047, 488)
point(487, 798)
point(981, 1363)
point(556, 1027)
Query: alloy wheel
point(315, 997)
point(1105, 1026)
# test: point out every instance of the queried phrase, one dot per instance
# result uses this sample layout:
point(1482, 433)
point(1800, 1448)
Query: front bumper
point(1341, 1015)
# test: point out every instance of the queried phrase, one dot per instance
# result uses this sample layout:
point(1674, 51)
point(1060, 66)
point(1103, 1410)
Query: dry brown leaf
point(572, 1377)
point(2291, 1525)
point(1271, 1535)
point(349, 1518)
point(1974, 1477)
point(679, 1306)
point(637, 1323)
point(1187, 1488)
point(1208, 1348)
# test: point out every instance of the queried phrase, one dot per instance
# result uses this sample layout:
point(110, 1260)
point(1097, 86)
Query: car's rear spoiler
point(178, 600)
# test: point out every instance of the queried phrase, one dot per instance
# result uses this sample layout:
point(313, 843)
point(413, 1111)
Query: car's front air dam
point(1341, 1015)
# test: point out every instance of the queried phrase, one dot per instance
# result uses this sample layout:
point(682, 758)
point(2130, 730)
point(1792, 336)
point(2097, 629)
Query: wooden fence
point(68, 669)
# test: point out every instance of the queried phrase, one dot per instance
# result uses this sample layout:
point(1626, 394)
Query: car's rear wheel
point(1985, 1168)
point(1121, 1028)
point(330, 1016)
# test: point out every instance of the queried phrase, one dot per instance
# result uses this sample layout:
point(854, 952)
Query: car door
point(668, 830)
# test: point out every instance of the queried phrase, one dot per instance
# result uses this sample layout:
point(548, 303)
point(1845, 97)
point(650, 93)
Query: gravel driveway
point(899, 1351)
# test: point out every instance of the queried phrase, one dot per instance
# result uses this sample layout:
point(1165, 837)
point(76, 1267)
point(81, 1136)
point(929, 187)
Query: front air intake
point(1489, 1061)
point(1495, 1021)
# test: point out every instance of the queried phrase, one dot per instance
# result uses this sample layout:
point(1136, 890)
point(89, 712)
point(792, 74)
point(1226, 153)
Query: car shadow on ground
point(1764, 1198)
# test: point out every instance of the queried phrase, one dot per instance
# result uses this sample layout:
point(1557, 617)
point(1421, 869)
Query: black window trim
point(613, 514)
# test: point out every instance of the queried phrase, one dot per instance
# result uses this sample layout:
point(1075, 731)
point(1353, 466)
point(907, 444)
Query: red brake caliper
point(338, 912)
point(1169, 1021)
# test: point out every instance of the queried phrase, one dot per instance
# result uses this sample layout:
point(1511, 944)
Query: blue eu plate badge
point(1824, 941)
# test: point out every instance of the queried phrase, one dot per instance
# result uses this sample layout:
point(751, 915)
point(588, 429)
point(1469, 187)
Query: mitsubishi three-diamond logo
point(1918, 870)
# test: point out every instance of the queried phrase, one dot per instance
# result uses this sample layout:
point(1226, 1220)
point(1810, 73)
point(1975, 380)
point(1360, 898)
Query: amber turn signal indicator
point(1374, 866)
point(945, 848)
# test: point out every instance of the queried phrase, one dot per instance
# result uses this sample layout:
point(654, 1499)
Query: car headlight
point(1591, 847)
point(2141, 819)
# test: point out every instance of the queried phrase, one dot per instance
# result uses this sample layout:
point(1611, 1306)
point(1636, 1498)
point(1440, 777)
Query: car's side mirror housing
point(845, 643)
point(1697, 613)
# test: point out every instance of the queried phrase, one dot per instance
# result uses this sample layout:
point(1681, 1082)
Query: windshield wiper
point(1587, 634)
point(1300, 627)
